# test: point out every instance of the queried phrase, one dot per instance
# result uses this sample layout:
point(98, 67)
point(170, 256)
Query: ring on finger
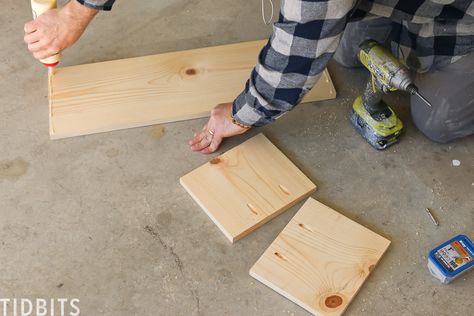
point(207, 140)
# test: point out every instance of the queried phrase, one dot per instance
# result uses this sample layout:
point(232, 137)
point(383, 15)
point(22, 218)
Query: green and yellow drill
point(371, 116)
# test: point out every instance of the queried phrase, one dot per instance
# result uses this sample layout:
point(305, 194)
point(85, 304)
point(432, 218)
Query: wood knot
point(215, 161)
point(333, 301)
point(371, 267)
point(191, 71)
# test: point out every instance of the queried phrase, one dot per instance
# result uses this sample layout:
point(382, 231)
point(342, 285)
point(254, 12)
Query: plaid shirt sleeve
point(105, 5)
point(303, 41)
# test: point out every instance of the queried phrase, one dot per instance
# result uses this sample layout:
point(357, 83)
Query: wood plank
point(141, 91)
point(320, 259)
point(247, 186)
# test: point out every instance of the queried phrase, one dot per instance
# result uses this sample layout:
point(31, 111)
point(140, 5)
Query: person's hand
point(56, 30)
point(218, 127)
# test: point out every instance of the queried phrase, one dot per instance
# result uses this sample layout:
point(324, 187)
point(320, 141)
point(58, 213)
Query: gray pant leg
point(355, 33)
point(451, 91)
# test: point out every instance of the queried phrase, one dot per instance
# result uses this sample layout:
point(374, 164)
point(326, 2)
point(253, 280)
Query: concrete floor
point(103, 218)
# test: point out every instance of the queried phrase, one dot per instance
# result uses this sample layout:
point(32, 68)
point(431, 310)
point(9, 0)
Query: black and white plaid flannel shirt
point(425, 34)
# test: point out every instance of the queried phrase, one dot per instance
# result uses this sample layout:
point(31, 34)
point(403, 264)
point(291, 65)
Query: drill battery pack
point(381, 130)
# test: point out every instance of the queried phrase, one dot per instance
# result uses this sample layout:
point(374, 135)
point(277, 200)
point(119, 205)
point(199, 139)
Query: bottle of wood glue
point(39, 7)
point(451, 259)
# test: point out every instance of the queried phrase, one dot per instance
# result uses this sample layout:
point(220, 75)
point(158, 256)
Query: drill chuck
point(411, 89)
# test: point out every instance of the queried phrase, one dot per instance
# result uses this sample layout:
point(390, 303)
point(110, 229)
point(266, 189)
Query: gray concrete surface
point(103, 218)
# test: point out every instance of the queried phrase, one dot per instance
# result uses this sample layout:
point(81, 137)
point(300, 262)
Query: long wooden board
point(320, 260)
point(141, 91)
point(247, 186)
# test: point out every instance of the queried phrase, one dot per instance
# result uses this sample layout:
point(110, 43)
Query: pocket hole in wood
point(326, 77)
point(285, 190)
point(252, 208)
point(279, 255)
point(305, 227)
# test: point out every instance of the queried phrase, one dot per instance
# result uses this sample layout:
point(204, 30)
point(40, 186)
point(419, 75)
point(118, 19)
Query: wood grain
point(141, 91)
point(247, 186)
point(320, 260)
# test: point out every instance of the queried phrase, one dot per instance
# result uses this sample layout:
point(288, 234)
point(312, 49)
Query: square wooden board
point(320, 260)
point(169, 87)
point(247, 186)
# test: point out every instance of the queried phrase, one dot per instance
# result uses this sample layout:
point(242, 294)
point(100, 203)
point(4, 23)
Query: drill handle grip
point(372, 96)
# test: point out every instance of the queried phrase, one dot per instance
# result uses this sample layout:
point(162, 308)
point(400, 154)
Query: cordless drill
point(371, 116)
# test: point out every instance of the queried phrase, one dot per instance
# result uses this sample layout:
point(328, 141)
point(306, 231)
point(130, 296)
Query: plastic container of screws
point(451, 259)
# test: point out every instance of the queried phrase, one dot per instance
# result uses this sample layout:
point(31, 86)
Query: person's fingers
point(35, 47)
point(199, 135)
point(32, 37)
point(197, 138)
point(205, 142)
point(44, 53)
point(30, 27)
point(215, 143)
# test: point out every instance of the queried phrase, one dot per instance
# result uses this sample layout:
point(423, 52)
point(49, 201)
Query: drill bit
point(423, 98)
point(413, 90)
point(433, 219)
